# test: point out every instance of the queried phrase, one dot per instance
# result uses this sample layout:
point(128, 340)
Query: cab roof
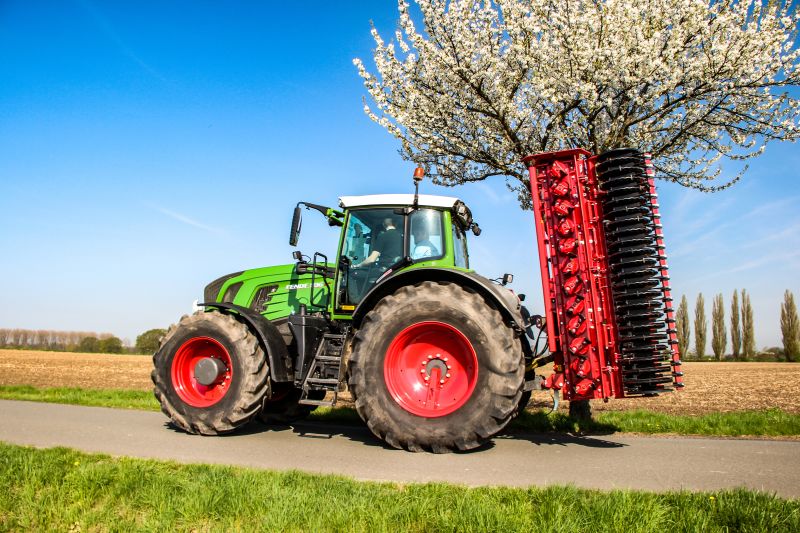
point(425, 200)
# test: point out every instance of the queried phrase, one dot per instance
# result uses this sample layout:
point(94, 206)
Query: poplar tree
point(736, 331)
point(790, 327)
point(748, 331)
point(683, 327)
point(718, 337)
point(700, 326)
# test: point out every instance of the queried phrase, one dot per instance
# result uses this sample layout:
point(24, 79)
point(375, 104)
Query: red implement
point(610, 322)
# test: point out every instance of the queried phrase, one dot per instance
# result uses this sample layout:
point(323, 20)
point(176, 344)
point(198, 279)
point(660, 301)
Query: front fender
point(280, 363)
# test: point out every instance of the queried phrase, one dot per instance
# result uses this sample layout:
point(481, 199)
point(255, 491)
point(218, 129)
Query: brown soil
point(710, 387)
point(717, 387)
point(85, 370)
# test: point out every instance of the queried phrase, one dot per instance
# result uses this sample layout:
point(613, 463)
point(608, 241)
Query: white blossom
point(482, 83)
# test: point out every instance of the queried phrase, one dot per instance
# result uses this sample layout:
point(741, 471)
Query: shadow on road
point(316, 429)
point(562, 439)
point(321, 430)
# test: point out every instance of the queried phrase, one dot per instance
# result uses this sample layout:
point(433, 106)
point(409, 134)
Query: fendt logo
point(303, 286)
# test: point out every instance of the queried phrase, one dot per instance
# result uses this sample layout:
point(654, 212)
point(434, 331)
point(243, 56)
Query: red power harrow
point(609, 314)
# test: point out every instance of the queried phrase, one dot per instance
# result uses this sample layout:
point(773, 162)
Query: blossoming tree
point(488, 82)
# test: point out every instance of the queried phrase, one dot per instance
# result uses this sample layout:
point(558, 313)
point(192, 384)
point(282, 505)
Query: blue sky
point(149, 147)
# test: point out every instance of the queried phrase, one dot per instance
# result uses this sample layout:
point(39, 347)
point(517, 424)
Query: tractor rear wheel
point(435, 368)
point(211, 374)
point(283, 408)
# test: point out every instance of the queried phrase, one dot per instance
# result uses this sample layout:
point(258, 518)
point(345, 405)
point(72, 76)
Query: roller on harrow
point(436, 357)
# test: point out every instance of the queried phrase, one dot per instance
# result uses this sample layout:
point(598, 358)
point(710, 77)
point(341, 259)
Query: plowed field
point(710, 387)
point(85, 370)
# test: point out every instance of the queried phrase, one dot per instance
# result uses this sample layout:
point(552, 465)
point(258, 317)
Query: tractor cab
point(388, 232)
point(384, 234)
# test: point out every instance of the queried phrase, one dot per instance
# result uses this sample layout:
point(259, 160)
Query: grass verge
point(768, 423)
point(121, 399)
point(60, 489)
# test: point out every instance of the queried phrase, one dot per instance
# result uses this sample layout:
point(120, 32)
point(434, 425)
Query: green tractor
point(434, 355)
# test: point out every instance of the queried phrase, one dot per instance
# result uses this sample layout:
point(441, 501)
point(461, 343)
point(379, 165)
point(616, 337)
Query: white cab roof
point(427, 200)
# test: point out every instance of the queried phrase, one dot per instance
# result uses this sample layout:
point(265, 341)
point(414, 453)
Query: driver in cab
point(388, 246)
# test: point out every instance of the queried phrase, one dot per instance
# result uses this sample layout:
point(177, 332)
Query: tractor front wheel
point(434, 367)
point(210, 374)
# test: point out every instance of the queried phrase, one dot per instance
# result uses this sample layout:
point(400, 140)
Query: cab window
point(460, 255)
point(375, 235)
point(426, 237)
point(357, 239)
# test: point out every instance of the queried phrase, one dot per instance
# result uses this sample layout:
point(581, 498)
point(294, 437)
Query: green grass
point(121, 399)
point(771, 423)
point(64, 490)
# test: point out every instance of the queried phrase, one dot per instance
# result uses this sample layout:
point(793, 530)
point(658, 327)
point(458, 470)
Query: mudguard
point(280, 363)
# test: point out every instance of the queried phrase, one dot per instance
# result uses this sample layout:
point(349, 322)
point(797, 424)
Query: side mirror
point(297, 221)
point(298, 255)
point(507, 278)
point(476, 230)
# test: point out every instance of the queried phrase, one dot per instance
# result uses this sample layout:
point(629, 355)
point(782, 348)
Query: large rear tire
point(219, 350)
point(435, 368)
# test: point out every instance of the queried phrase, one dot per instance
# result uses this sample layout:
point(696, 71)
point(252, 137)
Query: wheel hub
point(209, 370)
point(436, 368)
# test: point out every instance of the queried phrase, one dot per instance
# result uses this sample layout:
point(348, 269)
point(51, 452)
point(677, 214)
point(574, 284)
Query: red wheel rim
point(430, 369)
point(183, 380)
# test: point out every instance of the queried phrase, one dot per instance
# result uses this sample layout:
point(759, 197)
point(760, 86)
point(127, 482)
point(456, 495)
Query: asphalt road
point(607, 462)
